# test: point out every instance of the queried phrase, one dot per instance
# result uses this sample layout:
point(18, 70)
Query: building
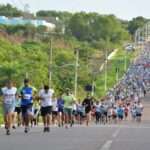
point(21, 21)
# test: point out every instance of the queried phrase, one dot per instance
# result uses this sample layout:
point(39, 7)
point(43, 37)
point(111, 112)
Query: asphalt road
point(126, 136)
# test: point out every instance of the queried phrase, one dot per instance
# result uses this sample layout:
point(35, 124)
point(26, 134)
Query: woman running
point(9, 95)
point(88, 104)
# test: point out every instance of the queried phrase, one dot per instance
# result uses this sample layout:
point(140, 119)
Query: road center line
point(116, 133)
point(107, 145)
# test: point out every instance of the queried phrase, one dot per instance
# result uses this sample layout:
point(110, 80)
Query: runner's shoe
point(26, 130)
point(48, 129)
point(45, 129)
point(7, 132)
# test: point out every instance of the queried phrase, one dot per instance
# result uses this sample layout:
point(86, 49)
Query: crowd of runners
point(25, 106)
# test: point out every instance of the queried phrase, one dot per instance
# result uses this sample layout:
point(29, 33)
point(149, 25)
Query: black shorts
point(138, 115)
point(55, 113)
point(26, 109)
point(60, 110)
point(18, 110)
point(81, 114)
point(87, 110)
point(120, 117)
point(114, 116)
point(46, 110)
point(74, 112)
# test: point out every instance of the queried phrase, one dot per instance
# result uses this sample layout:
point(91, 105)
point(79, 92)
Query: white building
point(21, 21)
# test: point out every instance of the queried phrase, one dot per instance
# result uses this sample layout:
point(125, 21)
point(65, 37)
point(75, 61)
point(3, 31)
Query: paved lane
point(77, 138)
point(126, 137)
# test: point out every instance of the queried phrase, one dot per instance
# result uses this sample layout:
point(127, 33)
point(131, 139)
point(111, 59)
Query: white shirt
point(9, 95)
point(54, 103)
point(46, 98)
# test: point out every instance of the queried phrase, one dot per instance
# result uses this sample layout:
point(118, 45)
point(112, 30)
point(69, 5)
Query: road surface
point(126, 136)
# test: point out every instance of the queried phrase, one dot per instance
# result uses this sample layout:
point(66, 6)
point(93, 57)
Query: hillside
point(30, 57)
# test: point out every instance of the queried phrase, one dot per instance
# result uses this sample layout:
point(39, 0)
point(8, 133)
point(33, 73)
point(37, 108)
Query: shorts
point(87, 110)
point(120, 117)
point(55, 113)
point(74, 112)
point(80, 113)
point(27, 110)
point(46, 110)
point(60, 110)
point(8, 108)
point(114, 116)
point(138, 115)
point(18, 110)
point(126, 114)
point(68, 111)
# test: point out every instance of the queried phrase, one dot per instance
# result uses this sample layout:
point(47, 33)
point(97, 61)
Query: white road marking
point(107, 145)
point(116, 133)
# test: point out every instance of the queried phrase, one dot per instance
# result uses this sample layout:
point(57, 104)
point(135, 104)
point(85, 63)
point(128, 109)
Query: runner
point(36, 110)
point(54, 111)
point(88, 104)
point(60, 105)
point(27, 93)
point(97, 112)
point(133, 111)
point(120, 113)
point(46, 95)
point(18, 111)
point(9, 95)
point(68, 107)
point(126, 110)
point(139, 110)
point(80, 112)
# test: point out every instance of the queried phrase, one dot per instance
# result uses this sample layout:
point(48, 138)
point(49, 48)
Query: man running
point(46, 95)
point(68, 107)
point(27, 94)
point(9, 95)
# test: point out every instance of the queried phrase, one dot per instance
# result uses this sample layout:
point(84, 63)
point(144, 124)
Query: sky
point(123, 9)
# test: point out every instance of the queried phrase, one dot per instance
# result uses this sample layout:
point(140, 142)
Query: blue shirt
point(120, 111)
point(27, 96)
point(60, 103)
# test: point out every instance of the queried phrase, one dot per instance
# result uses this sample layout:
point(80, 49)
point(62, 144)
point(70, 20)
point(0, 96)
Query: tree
point(136, 23)
point(10, 11)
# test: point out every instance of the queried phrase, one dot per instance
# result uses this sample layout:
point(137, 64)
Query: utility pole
point(125, 62)
point(117, 74)
point(76, 72)
point(93, 86)
point(106, 59)
point(50, 63)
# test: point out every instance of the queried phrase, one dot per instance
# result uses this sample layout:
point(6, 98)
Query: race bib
point(8, 99)
point(27, 96)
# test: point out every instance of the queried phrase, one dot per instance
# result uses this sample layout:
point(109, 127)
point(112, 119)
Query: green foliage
point(96, 28)
point(9, 11)
point(136, 23)
point(63, 16)
point(91, 33)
